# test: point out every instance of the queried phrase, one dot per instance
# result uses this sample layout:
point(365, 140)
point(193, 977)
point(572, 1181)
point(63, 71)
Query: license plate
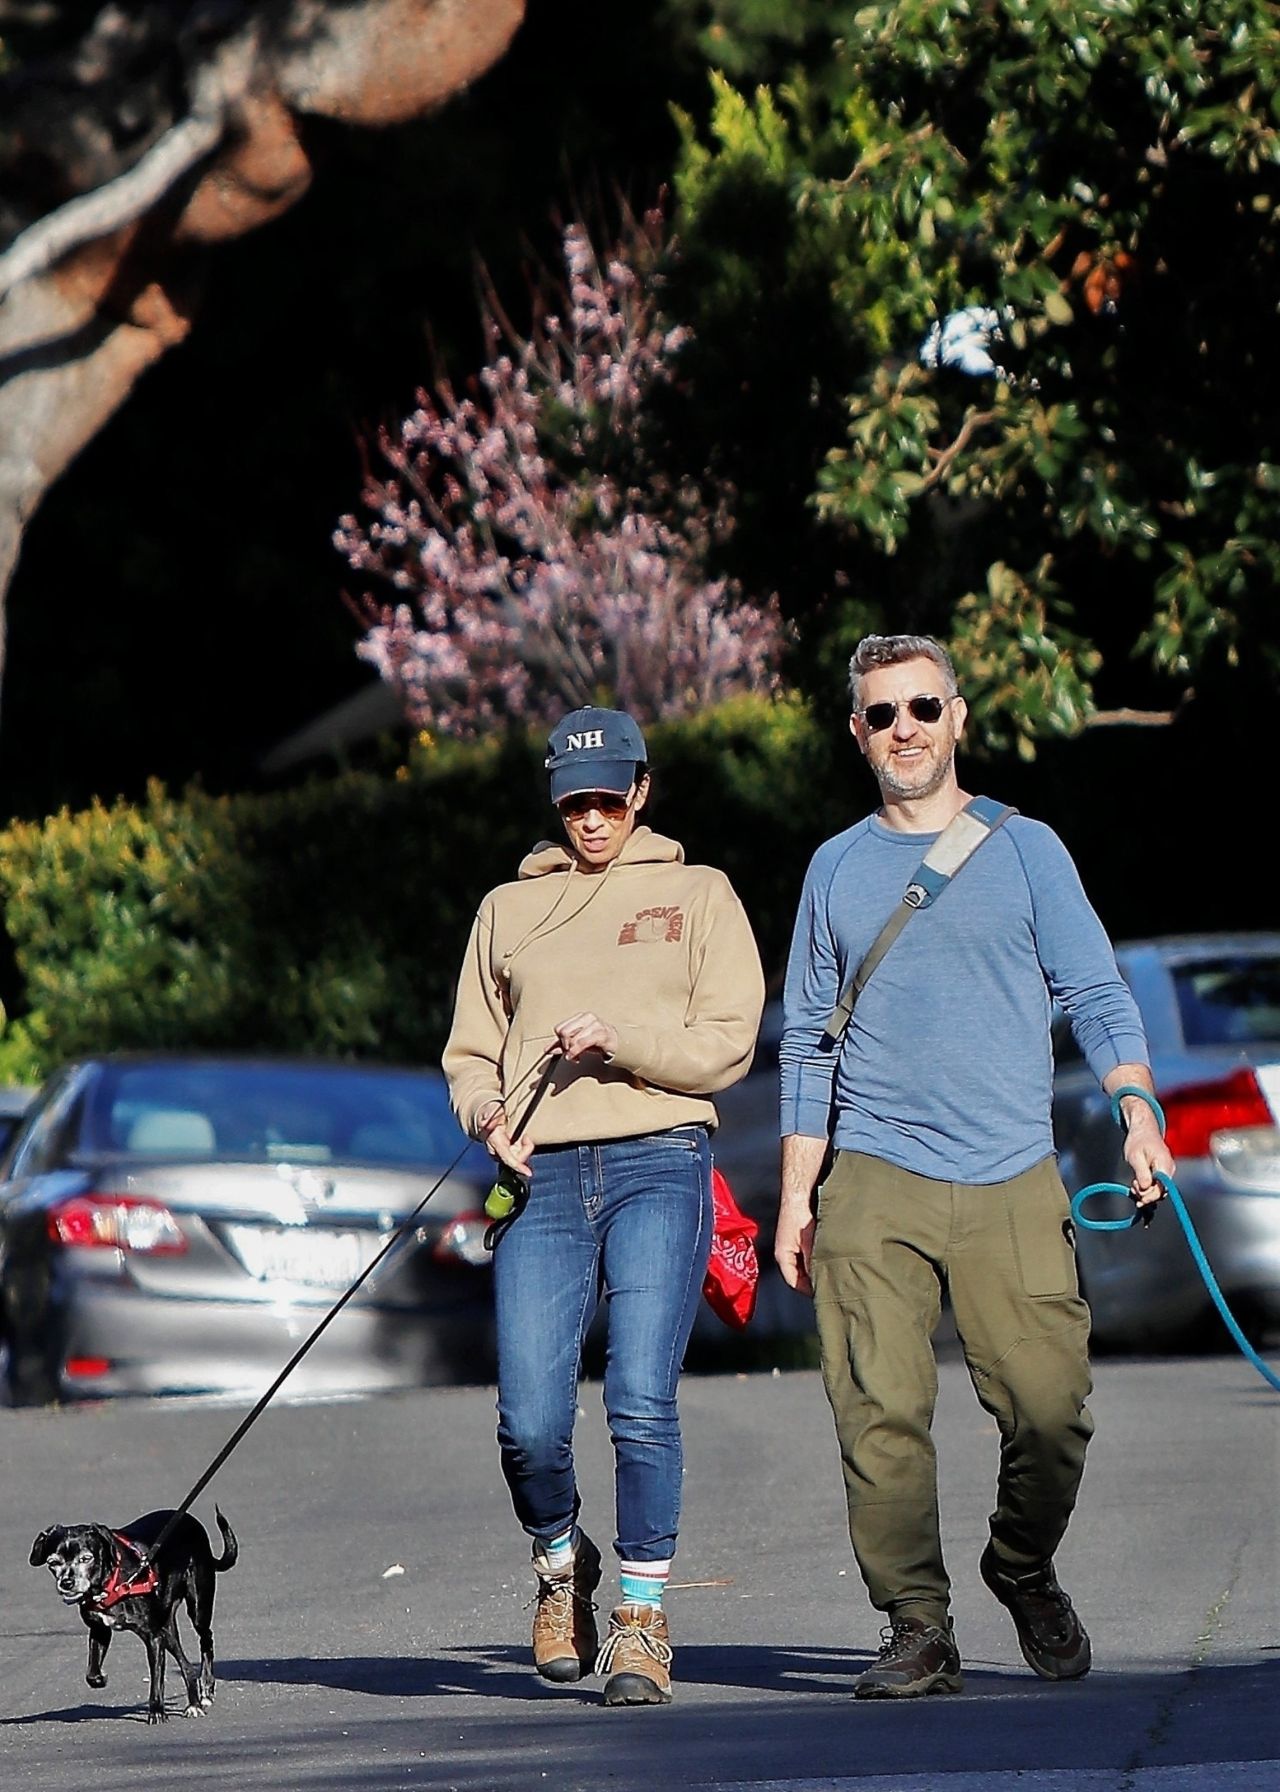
point(321, 1259)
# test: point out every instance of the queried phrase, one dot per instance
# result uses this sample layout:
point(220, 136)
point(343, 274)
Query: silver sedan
point(179, 1224)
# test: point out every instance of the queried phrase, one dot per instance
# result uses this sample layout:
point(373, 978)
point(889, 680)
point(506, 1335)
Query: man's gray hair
point(891, 650)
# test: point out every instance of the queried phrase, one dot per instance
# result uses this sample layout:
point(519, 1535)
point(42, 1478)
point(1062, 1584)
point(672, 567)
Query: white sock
point(643, 1583)
point(558, 1552)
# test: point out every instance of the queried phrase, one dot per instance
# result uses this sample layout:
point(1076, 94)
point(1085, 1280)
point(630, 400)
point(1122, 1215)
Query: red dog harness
point(121, 1586)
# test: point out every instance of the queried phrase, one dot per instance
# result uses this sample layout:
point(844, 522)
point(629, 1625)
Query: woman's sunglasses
point(612, 806)
point(878, 716)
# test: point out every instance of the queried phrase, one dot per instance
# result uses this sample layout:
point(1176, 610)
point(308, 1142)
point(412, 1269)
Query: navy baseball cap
point(594, 749)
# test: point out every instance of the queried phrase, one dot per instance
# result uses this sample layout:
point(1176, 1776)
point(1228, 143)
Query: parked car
point(1211, 1007)
point(177, 1224)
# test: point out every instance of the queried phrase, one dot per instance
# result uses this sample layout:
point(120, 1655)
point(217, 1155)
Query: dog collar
point(120, 1586)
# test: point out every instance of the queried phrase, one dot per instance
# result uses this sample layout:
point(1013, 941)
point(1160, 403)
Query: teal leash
point(1179, 1206)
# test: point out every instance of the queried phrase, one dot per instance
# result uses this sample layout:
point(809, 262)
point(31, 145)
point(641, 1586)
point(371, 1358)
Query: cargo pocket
point(839, 1313)
point(834, 1203)
point(1043, 1237)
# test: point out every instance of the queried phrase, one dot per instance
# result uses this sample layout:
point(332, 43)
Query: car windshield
point(1229, 1000)
point(273, 1114)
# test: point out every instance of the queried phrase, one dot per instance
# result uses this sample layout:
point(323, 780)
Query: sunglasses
point(878, 716)
point(612, 806)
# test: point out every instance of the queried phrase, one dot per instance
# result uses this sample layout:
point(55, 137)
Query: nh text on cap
point(594, 749)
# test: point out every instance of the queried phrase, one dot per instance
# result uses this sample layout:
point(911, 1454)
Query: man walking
point(934, 1108)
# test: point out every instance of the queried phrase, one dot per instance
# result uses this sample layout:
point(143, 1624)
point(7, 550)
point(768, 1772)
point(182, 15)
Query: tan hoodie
point(661, 950)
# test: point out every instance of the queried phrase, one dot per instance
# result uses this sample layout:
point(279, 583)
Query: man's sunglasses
point(612, 806)
point(878, 716)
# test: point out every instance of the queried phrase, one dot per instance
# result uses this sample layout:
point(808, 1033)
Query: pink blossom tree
point(538, 555)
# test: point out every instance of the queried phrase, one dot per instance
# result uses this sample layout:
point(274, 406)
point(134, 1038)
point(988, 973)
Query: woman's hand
point(586, 1032)
point(491, 1124)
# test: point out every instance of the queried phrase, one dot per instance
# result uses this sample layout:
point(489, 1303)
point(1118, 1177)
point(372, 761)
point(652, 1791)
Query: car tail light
point(116, 1223)
point(81, 1368)
point(461, 1240)
point(1193, 1114)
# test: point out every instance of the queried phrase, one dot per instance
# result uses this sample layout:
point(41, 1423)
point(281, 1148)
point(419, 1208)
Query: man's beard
point(893, 785)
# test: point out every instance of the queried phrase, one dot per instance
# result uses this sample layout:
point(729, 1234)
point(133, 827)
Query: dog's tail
point(231, 1549)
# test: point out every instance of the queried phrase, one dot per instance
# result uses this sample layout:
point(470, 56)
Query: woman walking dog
point(622, 987)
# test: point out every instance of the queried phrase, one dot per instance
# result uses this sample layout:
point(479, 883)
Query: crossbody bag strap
point(954, 847)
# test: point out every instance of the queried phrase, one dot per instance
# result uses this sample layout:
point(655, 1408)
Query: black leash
point(149, 1555)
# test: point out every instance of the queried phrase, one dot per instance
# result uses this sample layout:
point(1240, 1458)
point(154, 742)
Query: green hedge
point(331, 918)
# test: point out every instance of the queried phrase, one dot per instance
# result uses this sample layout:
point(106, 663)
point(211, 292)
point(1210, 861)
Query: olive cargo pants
point(885, 1245)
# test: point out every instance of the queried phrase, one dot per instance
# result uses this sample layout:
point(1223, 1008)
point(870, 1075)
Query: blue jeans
point(629, 1220)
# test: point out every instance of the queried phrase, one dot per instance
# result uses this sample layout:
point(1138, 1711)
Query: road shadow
point(797, 1719)
point(496, 1673)
point(83, 1714)
point(503, 1672)
point(1117, 1719)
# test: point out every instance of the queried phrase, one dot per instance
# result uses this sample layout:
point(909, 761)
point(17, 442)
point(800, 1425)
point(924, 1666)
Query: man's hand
point(1145, 1150)
point(802, 1160)
point(586, 1032)
point(491, 1124)
point(793, 1244)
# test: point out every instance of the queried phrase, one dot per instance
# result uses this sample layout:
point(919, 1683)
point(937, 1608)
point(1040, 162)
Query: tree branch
point(943, 457)
point(94, 215)
point(881, 151)
point(1132, 718)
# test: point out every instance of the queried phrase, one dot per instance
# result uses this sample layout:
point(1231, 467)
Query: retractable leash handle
point(510, 1190)
point(1179, 1206)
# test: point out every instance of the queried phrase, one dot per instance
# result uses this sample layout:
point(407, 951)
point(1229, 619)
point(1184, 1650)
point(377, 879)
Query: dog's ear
point(46, 1543)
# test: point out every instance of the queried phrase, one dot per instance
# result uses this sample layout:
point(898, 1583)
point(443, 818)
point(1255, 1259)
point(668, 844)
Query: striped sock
point(643, 1583)
point(558, 1552)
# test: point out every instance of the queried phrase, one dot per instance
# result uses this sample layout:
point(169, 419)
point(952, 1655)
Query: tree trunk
point(95, 291)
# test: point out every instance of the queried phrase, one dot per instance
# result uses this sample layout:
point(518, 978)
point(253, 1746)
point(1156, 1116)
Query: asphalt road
point(373, 1632)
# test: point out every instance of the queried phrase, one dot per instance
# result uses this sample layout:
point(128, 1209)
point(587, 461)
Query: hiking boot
point(915, 1658)
point(565, 1638)
point(1053, 1640)
point(637, 1657)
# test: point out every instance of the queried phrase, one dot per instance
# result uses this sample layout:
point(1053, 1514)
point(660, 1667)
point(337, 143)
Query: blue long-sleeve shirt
point(946, 1068)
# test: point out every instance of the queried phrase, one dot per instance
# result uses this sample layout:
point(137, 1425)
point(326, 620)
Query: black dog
point(102, 1572)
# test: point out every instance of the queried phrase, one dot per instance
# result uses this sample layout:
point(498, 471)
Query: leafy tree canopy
point(1008, 272)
